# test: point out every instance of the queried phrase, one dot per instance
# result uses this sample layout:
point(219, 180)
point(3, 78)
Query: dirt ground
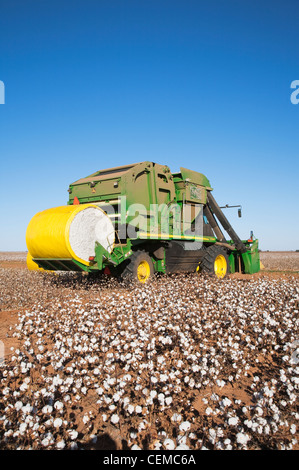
point(184, 363)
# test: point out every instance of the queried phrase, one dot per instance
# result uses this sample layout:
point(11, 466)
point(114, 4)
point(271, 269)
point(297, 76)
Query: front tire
point(139, 269)
point(215, 262)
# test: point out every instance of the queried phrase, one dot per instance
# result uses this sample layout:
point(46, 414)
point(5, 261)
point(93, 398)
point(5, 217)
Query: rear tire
point(215, 262)
point(139, 269)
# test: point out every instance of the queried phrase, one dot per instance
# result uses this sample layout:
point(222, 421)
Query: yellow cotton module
point(31, 265)
point(69, 232)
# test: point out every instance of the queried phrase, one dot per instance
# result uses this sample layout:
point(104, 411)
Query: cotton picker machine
point(135, 220)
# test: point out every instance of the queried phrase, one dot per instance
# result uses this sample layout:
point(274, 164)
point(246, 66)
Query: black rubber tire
point(207, 265)
point(130, 271)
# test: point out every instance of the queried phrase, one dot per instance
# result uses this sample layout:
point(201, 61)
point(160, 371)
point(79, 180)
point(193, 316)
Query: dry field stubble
point(184, 363)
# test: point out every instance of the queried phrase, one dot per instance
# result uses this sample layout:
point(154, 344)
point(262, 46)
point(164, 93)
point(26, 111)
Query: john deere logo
point(2, 93)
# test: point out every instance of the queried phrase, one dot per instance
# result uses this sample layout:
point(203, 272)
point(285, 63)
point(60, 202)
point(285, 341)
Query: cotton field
point(186, 362)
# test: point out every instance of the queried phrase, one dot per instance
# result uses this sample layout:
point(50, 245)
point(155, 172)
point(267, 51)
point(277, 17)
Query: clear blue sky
point(91, 84)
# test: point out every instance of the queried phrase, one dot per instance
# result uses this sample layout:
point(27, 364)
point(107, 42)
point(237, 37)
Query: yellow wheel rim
point(143, 271)
point(220, 266)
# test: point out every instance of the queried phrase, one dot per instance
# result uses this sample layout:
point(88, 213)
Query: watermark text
point(2, 92)
point(295, 94)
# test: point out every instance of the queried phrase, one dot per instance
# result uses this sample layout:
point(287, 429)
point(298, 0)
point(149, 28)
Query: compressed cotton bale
point(69, 232)
point(87, 227)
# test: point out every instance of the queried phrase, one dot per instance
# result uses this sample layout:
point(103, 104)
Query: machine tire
point(140, 268)
point(215, 262)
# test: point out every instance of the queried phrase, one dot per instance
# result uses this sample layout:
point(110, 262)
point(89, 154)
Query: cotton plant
point(145, 357)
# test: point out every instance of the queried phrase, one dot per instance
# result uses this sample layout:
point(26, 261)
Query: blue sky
point(201, 84)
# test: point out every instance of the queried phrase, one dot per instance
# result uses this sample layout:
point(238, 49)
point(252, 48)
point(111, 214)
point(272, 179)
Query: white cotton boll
point(142, 426)
point(182, 447)
point(176, 418)
point(27, 409)
point(233, 421)
point(212, 435)
point(22, 428)
point(126, 401)
point(57, 380)
point(73, 434)
point(18, 405)
point(185, 426)
point(57, 422)
point(135, 447)
point(116, 396)
point(138, 409)
point(293, 429)
point(23, 387)
point(226, 402)
point(259, 410)
point(47, 409)
point(114, 419)
point(248, 423)
point(157, 445)
point(168, 401)
point(220, 383)
point(58, 405)
point(242, 438)
point(160, 359)
point(45, 442)
point(169, 444)
point(161, 397)
point(60, 444)
point(130, 409)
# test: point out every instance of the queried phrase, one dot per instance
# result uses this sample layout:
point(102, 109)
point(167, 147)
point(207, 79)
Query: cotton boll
point(242, 438)
point(60, 444)
point(57, 422)
point(176, 417)
point(185, 426)
point(233, 421)
point(114, 419)
point(169, 444)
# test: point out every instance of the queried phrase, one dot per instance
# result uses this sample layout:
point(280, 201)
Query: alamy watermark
point(295, 94)
point(2, 92)
point(159, 221)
